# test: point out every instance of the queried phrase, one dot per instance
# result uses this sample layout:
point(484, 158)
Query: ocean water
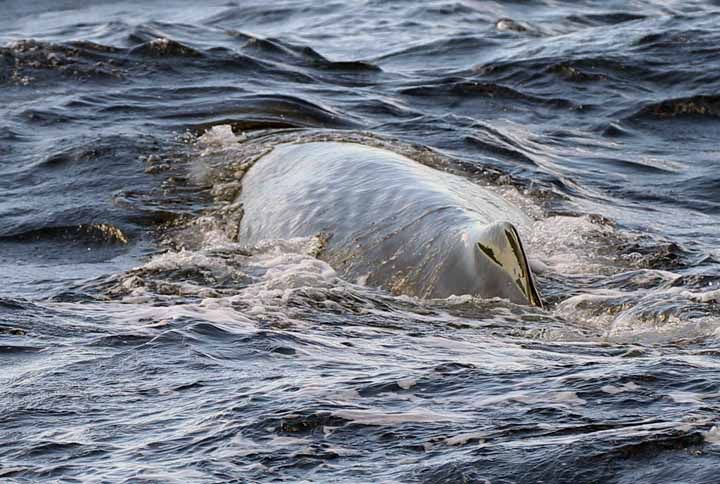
point(142, 341)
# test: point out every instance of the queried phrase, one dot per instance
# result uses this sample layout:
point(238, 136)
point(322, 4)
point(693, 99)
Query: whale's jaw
point(500, 244)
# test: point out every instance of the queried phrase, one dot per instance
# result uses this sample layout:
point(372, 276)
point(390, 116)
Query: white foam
point(712, 436)
point(568, 397)
point(706, 297)
point(582, 307)
point(350, 395)
point(462, 439)
point(691, 397)
point(651, 313)
point(613, 390)
point(187, 259)
point(219, 136)
point(686, 397)
point(562, 398)
point(283, 440)
point(406, 383)
point(568, 245)
point(376, 417)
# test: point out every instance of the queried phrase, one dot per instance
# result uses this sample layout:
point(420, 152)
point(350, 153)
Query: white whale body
point(389, 221)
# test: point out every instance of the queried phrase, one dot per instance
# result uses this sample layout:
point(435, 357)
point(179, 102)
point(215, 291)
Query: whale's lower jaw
point(492, 263)
point(501, 245)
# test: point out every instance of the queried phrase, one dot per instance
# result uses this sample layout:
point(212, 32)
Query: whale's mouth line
point(517, 267)
point(527, 282)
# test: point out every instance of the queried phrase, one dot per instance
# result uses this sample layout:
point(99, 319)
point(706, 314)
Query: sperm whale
point(389, 221)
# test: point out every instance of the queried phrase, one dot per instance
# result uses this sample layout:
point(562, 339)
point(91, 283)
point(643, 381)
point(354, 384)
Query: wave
point(452, 50)
point(305, 56)
point(465, 88)
point(703, 106)
point(264, 111)
point(30, 61)
point(25, 62)
point(82, 234)
point(163, 47)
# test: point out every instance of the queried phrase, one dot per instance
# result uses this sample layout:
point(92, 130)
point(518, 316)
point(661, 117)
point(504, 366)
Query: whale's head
point(486, 260)
point(501, 259)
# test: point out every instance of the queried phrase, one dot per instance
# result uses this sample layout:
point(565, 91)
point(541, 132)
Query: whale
point(385, 220)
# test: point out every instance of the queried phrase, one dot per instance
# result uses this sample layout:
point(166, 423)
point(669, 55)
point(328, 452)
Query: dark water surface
point(141, 342)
